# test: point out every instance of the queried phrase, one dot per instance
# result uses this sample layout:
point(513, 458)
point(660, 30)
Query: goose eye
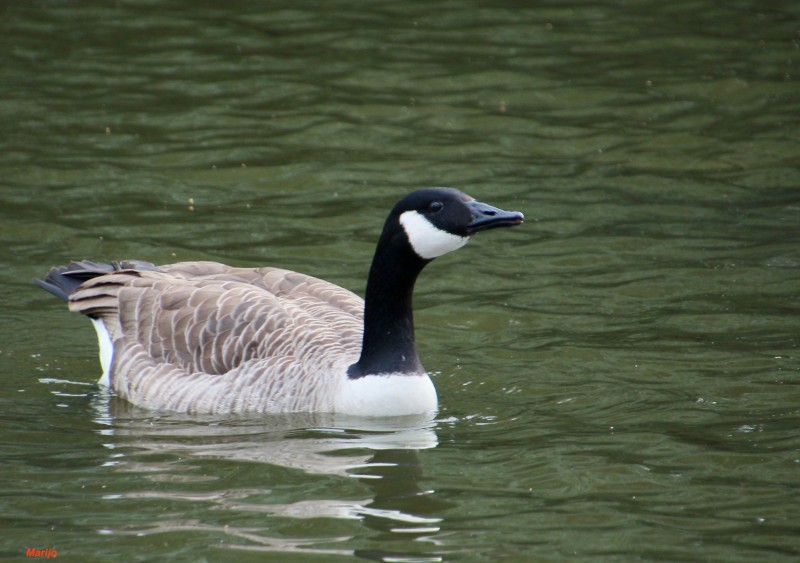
point(435, 207)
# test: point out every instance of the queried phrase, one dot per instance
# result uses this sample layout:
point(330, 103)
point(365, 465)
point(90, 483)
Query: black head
point(439, 220)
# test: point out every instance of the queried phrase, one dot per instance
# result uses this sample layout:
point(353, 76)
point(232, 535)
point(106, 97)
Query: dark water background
point(618, 377)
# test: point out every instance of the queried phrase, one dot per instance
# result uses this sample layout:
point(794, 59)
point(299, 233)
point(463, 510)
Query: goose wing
point(202, 336)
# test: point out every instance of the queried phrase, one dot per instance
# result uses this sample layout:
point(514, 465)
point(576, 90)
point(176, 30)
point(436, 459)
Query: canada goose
point(203, 337)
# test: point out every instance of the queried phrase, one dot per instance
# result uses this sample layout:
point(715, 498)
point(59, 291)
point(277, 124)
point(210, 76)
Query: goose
point(206, 338)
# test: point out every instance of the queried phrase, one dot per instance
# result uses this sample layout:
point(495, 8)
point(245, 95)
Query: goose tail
point(62, 281)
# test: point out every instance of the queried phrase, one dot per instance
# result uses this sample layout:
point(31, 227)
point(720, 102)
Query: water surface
point(618, 377)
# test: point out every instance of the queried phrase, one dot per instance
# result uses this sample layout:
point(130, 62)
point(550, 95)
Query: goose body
point(203, 337)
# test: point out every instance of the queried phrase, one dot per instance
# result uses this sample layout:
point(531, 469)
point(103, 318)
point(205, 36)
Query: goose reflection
point(382, 454)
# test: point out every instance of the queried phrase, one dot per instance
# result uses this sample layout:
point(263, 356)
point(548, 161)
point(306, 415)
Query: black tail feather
point(62, 281)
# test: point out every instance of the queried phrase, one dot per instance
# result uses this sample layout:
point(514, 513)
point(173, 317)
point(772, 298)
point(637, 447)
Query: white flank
point(106, 351)
point(387, 395)
point(427, 240)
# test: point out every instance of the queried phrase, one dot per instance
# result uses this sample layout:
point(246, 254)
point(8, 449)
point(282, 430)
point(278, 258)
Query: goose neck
point(388, 344)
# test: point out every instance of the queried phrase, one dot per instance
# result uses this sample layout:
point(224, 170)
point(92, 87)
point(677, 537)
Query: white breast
point(387, 395)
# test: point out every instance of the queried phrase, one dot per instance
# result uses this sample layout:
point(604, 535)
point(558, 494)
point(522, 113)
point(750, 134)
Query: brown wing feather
point(205, 337)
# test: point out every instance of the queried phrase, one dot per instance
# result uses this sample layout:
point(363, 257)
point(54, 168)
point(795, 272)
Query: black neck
point(388, 345)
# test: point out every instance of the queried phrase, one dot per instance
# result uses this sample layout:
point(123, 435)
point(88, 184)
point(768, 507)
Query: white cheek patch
point(427, 240)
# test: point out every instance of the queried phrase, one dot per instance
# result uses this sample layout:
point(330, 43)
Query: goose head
point(435, 221)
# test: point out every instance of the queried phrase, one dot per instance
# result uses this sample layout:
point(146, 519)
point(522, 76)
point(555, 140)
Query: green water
point(618, 377)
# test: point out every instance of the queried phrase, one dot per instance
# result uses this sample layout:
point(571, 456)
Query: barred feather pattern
point(203, 337)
